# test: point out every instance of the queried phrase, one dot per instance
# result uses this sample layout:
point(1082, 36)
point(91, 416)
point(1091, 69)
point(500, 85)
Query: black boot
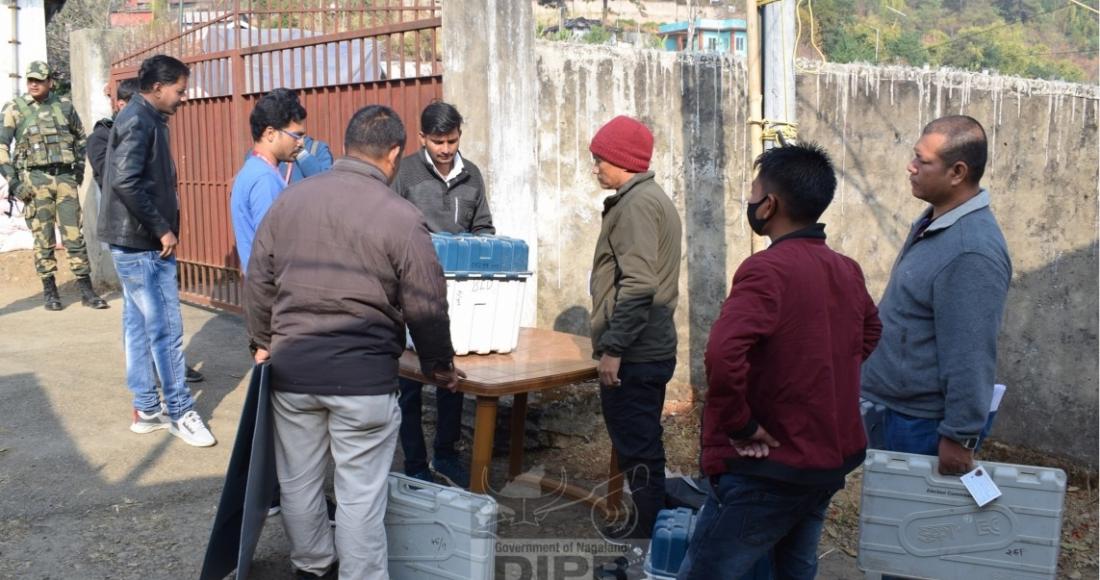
point(88, 297)
point(49, 293)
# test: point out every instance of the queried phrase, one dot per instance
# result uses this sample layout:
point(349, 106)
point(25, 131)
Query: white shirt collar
point(456, 168)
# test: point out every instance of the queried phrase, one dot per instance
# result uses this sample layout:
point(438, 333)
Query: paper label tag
point(981, 486)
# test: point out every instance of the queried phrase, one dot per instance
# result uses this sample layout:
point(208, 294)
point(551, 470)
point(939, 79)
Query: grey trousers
point(362, 434)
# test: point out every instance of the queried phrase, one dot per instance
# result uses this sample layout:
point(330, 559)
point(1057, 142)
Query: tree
point(907, 48)
point(1018, 10)
point(75, 15)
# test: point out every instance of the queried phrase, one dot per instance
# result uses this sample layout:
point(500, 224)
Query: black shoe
point(50, 295)
point(332, 573)
point(331, 505)
point(88, 297)
point(193, 376)
point(452, 470)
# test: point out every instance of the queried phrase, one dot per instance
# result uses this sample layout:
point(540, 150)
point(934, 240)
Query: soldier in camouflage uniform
point(44, 171)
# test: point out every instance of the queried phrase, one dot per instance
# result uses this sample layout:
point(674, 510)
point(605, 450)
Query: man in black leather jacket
point(97, 156)
point(139, 219)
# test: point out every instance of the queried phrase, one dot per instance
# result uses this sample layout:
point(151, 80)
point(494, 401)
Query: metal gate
point(339, 55)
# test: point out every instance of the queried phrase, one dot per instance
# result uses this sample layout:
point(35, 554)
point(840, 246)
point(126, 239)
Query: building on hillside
point(709, 35)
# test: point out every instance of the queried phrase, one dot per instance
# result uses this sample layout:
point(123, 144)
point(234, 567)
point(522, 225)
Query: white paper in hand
point(981, 486)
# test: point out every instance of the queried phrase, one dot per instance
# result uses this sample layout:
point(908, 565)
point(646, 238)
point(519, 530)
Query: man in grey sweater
point(934, 367)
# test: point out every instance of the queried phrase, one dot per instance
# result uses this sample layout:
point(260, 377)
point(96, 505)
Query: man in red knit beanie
point(635, 278)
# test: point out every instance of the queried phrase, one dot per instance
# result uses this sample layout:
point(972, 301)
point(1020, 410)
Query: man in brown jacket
point(339, 267)
point(635, 277)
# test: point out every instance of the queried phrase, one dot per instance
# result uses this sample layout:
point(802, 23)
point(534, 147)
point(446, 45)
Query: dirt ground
point(81, 497)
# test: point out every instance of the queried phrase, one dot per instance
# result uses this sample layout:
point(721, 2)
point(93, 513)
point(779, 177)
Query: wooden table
point(543, 359)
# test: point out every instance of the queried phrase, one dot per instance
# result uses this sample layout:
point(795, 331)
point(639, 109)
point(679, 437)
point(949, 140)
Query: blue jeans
point(910, 434)
point(448, 426)
point(152, 328)
point(744, 517)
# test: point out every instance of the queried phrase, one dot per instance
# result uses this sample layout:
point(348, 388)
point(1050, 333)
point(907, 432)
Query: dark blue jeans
point(744, 517)
point(632, 413)
point(448, 425)
point(910, 434)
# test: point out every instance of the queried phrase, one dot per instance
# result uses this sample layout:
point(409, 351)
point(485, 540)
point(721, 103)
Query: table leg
point(519, 423)
point(614, 486)
point(485, 421)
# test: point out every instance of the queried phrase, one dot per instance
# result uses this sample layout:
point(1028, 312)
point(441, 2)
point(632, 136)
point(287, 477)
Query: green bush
point(597, 35)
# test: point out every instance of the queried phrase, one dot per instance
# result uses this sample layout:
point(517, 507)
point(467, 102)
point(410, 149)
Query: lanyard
point(285, 178)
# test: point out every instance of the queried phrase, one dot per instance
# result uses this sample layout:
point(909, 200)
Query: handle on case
point(413, 494)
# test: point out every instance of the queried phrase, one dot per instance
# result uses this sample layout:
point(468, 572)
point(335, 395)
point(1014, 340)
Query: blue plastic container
point(672, 534)
point(486, 286)
point(466, 254)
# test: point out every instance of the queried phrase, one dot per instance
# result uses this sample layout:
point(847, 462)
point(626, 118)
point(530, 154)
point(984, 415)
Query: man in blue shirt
point(314, 157)
point(278, 134)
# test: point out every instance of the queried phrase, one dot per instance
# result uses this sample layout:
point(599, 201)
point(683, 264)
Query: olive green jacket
point(636, 274)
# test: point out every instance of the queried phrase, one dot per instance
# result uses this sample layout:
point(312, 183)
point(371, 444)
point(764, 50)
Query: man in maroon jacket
point(781, 425)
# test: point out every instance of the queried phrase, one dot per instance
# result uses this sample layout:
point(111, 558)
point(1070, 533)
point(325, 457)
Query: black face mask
point(756, 224)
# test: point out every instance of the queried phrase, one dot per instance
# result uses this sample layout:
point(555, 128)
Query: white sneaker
point(192, 430)
point(148, 422)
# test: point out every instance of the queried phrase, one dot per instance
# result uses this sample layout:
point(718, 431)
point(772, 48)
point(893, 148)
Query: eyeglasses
point(293, 135)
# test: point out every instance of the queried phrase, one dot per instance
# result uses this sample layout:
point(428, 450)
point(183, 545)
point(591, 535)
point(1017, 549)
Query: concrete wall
point(91, 71)
point(489, 78)
point(695, 105)
point(1042, 176)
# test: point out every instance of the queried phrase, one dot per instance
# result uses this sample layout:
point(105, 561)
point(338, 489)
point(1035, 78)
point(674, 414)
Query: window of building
point(739, 43)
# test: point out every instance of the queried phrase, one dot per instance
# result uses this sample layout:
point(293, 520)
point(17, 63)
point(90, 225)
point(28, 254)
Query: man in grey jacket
point(635, 285)
point(329, 312)
point(450, 193)
point(934, 367)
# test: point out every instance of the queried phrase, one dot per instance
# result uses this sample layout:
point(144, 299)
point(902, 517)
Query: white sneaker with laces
point(192, 430)
point(148, 422)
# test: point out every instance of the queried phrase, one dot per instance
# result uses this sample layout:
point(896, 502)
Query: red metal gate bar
point(337, 59)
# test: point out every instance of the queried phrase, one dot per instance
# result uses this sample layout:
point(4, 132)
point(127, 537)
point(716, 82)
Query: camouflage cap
point(38, 70)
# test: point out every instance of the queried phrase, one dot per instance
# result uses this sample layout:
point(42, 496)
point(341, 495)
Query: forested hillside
point(1051, 39)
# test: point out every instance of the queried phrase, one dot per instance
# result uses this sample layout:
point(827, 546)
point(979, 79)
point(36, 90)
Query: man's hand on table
point(448, 378)
point(609, 370)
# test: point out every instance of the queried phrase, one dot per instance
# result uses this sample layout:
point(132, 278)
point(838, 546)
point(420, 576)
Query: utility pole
point(779, 97)
point(770, 63)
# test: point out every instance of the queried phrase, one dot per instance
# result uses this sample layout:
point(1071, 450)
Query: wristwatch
point(970, 443)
